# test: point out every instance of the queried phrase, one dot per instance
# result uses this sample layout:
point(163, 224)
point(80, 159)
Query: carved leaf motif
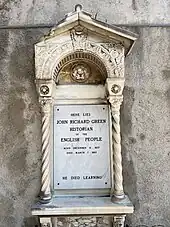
point(117, 57)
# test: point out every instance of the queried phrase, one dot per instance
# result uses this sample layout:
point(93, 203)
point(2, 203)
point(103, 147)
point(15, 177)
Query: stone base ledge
point(77, 206)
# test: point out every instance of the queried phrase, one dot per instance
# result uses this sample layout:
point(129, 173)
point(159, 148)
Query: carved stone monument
point(80, 79)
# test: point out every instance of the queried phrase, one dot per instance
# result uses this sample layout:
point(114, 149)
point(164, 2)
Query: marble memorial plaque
point(81, 147)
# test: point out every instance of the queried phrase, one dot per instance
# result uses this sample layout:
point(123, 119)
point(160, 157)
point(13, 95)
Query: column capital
point(45, 104)
point(115, 103)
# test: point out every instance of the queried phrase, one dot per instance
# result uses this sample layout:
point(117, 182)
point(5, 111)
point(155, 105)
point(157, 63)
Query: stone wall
point(145, 112)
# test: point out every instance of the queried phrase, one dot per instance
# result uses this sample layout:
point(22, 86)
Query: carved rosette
point(44, 90)
point(80, 72)
point(115, 88)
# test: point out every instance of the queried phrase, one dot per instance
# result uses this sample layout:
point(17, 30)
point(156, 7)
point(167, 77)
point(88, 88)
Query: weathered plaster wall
point(19, 129)
point(114, 11)
point(146, 128)
point(145, 112)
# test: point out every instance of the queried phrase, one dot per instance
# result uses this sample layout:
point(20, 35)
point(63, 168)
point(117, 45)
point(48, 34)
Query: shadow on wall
point(166, 77)
point(129, 174)
point(30, 222)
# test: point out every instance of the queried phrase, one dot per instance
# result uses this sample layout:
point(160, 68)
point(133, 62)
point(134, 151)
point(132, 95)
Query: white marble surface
point(82, 206)
point(81, 147)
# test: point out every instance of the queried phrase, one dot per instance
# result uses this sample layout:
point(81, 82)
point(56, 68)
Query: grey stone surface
point(23, 12)
point(145, 124)
point(19, 129)
point(146, 128)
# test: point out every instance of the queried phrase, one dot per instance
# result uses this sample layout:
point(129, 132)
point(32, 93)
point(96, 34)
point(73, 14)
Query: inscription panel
point(81, 147)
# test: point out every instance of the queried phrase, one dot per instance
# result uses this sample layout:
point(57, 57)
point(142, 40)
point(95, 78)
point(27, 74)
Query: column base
point(117, 198)
point(44, 199)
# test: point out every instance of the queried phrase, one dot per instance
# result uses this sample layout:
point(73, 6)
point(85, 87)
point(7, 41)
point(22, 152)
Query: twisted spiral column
point(45, 168)
point(118, 192)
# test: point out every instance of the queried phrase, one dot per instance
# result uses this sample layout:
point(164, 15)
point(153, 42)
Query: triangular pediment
point(95, 27)
point(78, 33)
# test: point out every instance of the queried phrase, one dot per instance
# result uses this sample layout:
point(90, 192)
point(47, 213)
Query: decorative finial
point(78, 8)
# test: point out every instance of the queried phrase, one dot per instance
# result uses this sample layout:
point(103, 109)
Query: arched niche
point(80, 67)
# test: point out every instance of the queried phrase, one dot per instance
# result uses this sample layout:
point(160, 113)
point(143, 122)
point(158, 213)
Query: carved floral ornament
point(80, 72)
point(115, 88)
point(44, 90)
